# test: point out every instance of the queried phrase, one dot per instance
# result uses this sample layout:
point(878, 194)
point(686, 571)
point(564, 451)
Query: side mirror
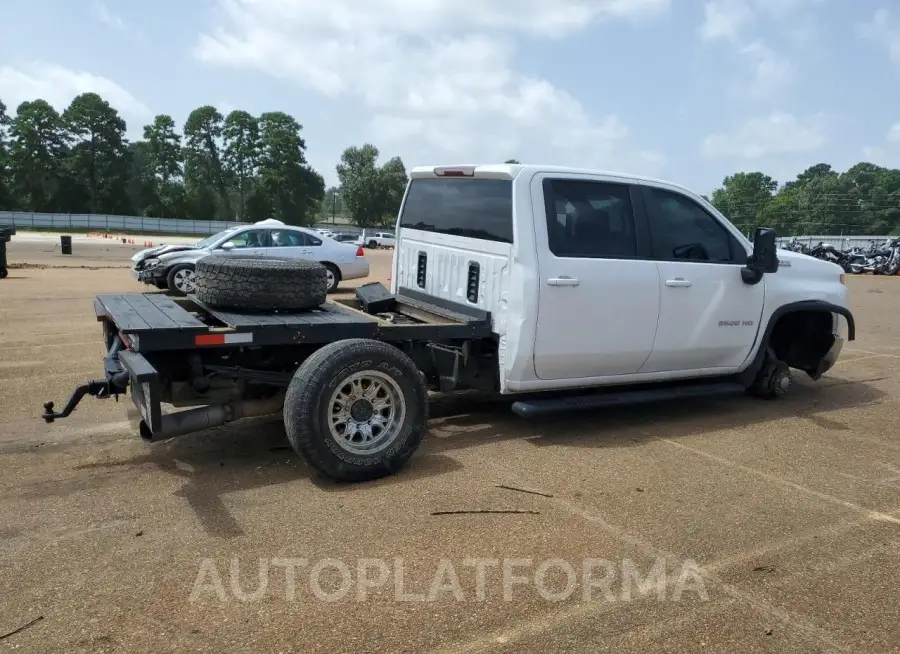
point(227, 246)
point(764, 258)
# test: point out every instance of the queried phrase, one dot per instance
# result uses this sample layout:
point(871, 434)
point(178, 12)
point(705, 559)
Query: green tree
point(744, 196)
point(6, 193)
point(207, 195)
point(97, 160)
point(372, 194)
point(332, 204)
point(164, 148)
point(293, 189)
point(162, 158)
point(36, 156)
point(242, 150)
point(512, 161)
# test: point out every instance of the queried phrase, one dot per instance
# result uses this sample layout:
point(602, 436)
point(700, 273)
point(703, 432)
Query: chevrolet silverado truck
point(562, 288)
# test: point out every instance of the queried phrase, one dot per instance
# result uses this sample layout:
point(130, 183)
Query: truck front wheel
point(773, 380)
point(356, 410)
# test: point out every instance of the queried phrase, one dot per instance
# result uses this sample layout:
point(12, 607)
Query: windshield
point(209, 240)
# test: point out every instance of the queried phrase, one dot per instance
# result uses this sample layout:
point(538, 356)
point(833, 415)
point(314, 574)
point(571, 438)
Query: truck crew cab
point(511, 279)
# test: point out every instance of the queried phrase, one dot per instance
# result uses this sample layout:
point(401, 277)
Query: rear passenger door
point(293, 244)
point(599, 297)
point(708, 316)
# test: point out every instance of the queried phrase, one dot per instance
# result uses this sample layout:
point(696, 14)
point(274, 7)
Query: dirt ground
point(751, 525)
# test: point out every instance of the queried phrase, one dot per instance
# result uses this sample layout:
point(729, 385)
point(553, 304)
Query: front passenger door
point(708, 316)
point(248, 243)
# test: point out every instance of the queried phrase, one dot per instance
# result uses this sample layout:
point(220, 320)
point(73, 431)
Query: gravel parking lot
point(752, 525)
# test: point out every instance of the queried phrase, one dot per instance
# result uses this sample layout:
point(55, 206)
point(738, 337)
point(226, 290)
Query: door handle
point(563, 281)
point(678, 282)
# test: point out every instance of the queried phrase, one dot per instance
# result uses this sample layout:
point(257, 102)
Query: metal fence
point(134, 224)
point(141, 225)
point(103, 223)
point(840, 242)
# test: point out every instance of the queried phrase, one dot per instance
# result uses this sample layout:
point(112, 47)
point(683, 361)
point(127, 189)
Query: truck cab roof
point(512, 171)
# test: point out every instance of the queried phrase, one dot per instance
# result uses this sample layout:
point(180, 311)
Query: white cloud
point(771, 71)
point(884, 29)
point(730, 20)
point(888, 154)
point(103, 13)
point(893, 135)
point(58, 86)
point(438, 76)
point(724, 19)
point(776, 134)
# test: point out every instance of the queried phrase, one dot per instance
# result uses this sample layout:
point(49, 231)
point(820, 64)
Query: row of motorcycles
point(878, 258)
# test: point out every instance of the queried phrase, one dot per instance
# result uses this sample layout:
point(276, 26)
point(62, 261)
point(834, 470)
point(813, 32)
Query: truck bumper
point(355, 270)
point(150, 276)
point(827, 362)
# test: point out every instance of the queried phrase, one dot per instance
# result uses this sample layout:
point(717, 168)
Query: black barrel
point(5, 235)
point(65, 244)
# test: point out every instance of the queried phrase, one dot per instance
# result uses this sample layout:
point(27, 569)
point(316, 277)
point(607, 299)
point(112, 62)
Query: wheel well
point(336, 267)
point(801, 338)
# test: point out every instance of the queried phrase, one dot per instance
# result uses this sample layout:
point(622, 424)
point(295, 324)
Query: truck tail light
point(359, 251)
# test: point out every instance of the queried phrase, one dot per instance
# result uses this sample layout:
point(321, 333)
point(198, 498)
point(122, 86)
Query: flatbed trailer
point(155, 321)
point(227, 364)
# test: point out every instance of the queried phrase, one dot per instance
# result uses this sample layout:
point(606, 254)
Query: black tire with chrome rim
point(356, 410)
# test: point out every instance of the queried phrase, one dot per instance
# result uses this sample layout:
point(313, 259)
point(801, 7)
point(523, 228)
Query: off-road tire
point(170, 278)
point(251, 284)
point(307, 409)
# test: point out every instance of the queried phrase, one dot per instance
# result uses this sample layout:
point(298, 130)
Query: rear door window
point(588, 219)
point(472, 207)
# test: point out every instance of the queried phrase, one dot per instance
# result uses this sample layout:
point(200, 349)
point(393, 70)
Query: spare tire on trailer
point(253, 284)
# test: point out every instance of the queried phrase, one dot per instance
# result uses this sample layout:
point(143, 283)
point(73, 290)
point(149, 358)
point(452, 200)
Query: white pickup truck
point(508, 279)
point(376, 239)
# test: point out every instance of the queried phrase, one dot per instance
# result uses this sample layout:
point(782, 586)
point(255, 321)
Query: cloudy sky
point(688, 90)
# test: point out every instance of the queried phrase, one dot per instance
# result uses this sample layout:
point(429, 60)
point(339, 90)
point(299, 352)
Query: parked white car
point(172, 266)
point(377, 240)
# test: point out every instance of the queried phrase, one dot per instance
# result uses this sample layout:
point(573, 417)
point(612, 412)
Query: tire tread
point(260, 284)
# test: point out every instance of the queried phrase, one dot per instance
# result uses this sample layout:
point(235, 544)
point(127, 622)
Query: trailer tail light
point(359, 251)
point(456, 171)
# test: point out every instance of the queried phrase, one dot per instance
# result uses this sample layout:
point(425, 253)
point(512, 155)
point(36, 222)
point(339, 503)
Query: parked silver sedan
point(172, 266)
